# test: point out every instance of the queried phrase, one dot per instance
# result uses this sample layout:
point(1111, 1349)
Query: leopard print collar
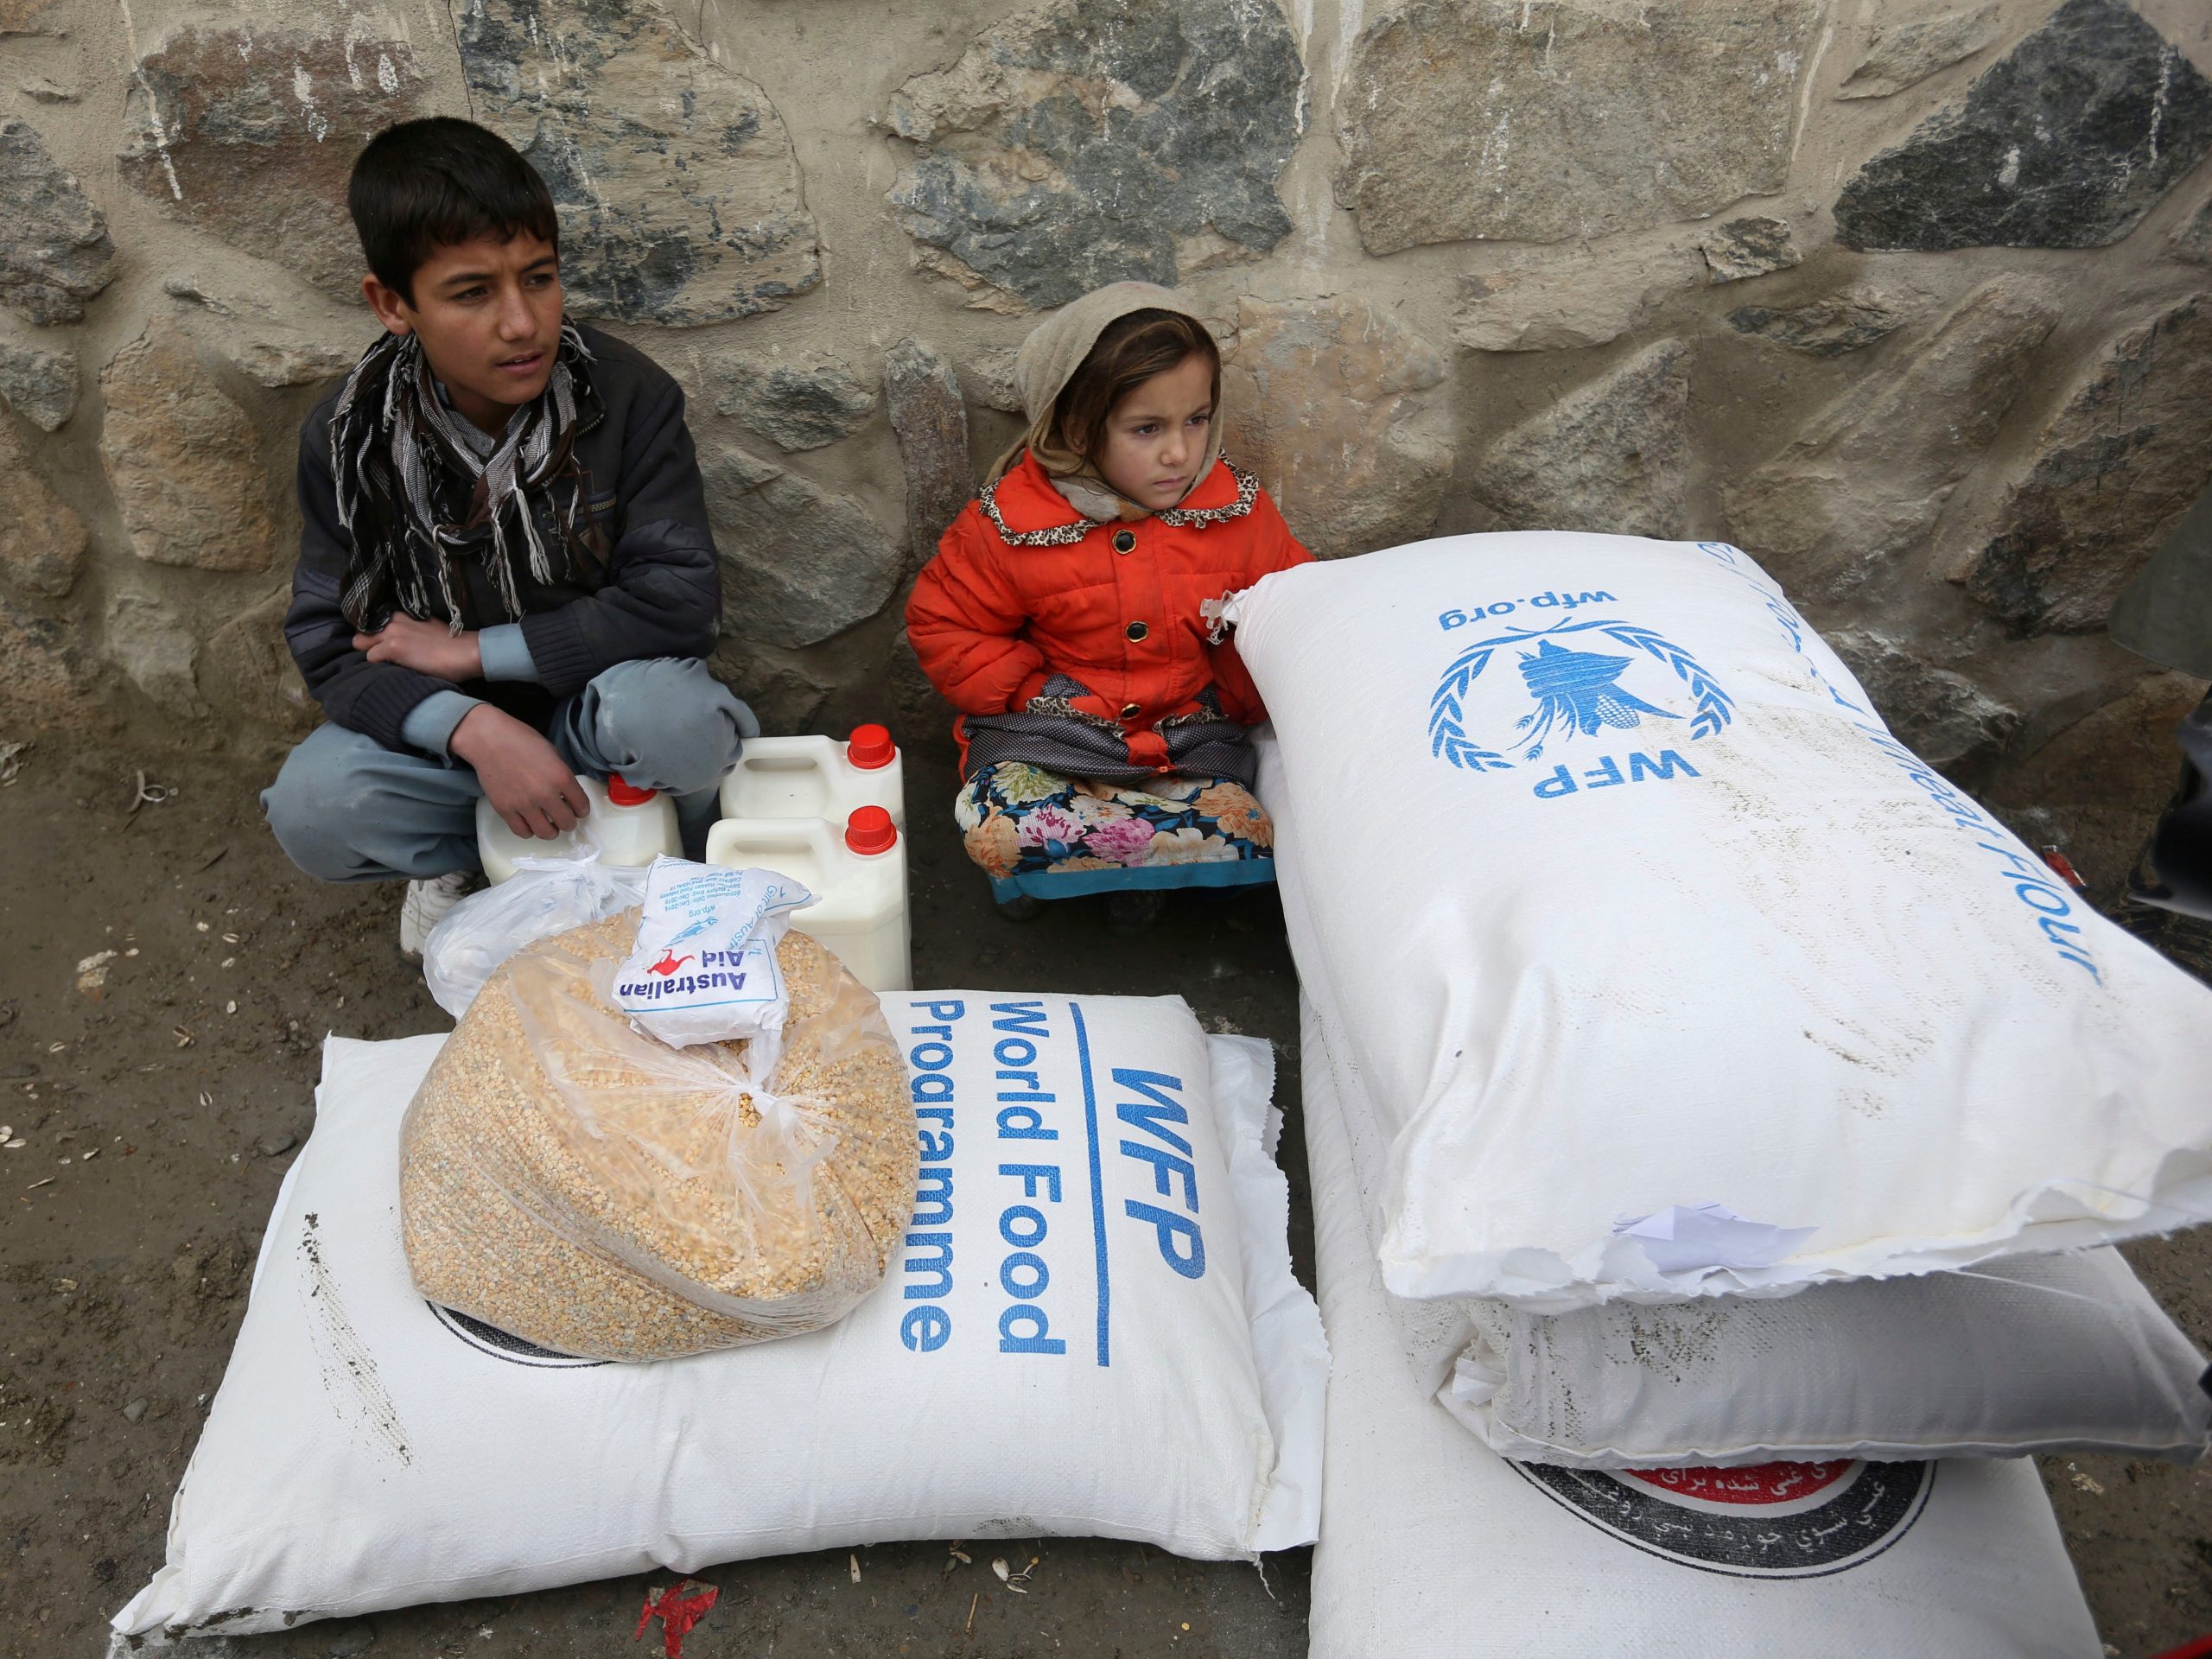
point(1247, 493)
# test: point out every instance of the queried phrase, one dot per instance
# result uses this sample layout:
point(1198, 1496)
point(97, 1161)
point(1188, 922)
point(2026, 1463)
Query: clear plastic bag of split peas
point(583, 1185)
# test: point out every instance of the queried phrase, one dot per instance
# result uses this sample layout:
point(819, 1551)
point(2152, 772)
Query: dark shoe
point(1129, 914)
point(1229, 895)
point(1021, 908)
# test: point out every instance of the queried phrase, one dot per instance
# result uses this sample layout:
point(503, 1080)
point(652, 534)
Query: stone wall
point(1906, 296)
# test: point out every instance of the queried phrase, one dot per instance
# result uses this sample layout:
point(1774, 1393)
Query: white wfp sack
point(1666, 918)
point(1434, 1547)
point(2021, 1355)
point(2026, 1354)
point(1092, 1330)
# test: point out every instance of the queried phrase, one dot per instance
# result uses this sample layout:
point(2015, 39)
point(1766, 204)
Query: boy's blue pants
point(345, 808)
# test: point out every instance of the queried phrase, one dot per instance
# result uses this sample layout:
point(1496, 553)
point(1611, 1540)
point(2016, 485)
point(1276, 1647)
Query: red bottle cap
point(621, 792)
point(870, 830)
point(870, 748)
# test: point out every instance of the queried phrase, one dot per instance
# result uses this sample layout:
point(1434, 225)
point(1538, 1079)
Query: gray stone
point(1900, 55)
point(2119, 755)
point(2114, 470)
point(917, 704)
point(800, 562)
point(276, 361)
point(192, 291)
point(2094, 768)
point(349, 1639)
point(1748, 247)
point(38, 385)
point(146, 640)
point(136, 1411)
point(183, 460)
point(797, 401)
point(42, 89)
point(1084, 141)
point(992, 371)
point(245, 671)
point(2191, 242)
point(54, 251)
point(783, 696)
point(676, 181)
point(1941, 716)
point(1479, 118)
point(45, 683)
point(1610, 456)
point(930, 417)
point(271, 353)
point(1866, 480)
point(29, 17)
point(41, 539)
point(1325, 404)
point(2064, 142)
point(1566, 304)
point(1849, 320)
point(276, 1144)
point(248, 132)
point(2164, 614)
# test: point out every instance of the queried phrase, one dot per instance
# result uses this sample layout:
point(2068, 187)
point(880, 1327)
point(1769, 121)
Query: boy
point(505, 574)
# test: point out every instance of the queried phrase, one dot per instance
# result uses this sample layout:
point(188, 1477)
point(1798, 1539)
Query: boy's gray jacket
point(660, 594)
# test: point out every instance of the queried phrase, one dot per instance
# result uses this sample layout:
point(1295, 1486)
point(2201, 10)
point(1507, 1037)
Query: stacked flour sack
point(685, 1246)
point(1716, 1113)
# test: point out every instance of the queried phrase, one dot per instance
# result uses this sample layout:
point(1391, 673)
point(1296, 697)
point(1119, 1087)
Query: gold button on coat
point(1137, 631)
point(1131, 710)
point(1125, 540)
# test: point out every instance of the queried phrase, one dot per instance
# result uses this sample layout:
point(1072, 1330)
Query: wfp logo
point(1515, 696)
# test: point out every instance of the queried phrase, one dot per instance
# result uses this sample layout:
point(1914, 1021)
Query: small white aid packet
point(704, 969)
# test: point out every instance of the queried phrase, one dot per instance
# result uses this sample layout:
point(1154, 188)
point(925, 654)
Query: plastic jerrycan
point(625, 825)
point(817, 778)
point(858, 874)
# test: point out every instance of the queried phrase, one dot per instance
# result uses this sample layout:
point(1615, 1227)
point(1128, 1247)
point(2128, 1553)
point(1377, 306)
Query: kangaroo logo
point(669, 963)
point(1577, 693)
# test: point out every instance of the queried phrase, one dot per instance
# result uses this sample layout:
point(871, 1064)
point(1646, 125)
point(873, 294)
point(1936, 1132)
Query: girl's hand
point(426, 647)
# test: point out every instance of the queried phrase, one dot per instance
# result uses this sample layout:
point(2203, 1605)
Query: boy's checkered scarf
point(397, 452)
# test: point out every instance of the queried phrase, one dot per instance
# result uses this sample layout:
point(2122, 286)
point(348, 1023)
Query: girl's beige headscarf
point(1042, 369)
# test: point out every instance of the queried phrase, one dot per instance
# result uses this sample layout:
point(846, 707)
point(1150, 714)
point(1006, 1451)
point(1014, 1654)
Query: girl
point(1099, 727)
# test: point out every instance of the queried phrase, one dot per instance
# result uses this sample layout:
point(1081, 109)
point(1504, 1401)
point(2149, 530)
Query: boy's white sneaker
point(425, 906)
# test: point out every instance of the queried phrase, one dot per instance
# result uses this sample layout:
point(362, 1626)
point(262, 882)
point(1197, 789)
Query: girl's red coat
point(1000, 610)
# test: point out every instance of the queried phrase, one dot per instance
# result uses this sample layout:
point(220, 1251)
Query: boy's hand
point(426, 647)
point(524, 776)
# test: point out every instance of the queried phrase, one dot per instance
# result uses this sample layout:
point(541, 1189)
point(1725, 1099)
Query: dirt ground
point(160, 1109)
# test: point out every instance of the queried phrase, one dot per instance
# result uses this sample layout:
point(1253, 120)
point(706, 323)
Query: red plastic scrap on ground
point(2200, 1648)
point(678, 1614)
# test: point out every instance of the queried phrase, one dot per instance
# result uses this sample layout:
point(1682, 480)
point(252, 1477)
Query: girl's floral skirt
point(1020, 819)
